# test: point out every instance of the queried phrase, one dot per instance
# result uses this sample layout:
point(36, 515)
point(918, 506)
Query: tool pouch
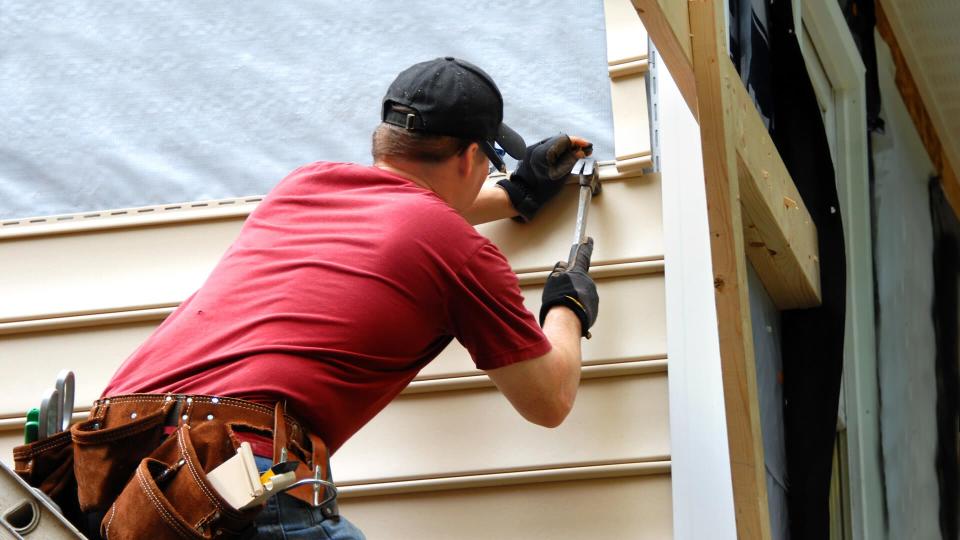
point(47, 464)
point(169, 496)
point(105, 456)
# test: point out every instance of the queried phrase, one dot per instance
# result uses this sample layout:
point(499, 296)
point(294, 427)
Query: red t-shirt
point(342, 285)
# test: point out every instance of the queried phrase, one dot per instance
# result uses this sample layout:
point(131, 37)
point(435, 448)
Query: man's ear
point(468, 159)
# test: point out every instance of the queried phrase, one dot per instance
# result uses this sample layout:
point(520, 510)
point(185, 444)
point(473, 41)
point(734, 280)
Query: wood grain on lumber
point(716, 104)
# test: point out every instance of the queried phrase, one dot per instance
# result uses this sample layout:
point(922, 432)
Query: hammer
point(588, 176)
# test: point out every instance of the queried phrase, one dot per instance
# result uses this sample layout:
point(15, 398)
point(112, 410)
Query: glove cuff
point(575, 306)
point(522, 201)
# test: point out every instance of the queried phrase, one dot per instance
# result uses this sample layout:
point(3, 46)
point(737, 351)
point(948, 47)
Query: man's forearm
point(562, 328)
point(491, 204)
point(543, 389)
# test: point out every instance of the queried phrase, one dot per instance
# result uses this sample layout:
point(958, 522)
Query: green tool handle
point(31, 429)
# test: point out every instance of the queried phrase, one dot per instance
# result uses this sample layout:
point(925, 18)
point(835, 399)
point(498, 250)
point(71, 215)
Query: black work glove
point(573, 288)
point(541, 174)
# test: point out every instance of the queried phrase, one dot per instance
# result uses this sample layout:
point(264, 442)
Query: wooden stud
point(781, 237)
point(781, 244)
point(715, 98)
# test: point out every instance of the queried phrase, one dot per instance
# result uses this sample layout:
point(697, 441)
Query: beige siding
point(627, 61)
point(93, 353)
point(625, 220)
point(123, 265)
point(8, 440)
point(632, 305)
point(475, 431)
point(109, 269)
point(449, 458)
point(636, 507)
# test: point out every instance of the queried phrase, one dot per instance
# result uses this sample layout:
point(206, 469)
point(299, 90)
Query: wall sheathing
point(906, 346)
point(765, 319)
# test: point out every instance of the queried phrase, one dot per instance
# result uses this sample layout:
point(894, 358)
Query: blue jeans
point(288, 518)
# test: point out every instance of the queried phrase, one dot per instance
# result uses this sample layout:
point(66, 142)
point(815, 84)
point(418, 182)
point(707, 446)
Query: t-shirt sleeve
point(487, 316)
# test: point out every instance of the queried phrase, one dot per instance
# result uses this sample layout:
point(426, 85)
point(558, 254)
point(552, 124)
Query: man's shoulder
point(430, 219)
point(328, 168)
point(399, 206)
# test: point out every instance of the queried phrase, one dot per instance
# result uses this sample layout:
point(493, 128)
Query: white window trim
point(841, 61)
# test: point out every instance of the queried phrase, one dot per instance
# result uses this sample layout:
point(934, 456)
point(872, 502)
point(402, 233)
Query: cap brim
point(493, 156)
point(511, 141)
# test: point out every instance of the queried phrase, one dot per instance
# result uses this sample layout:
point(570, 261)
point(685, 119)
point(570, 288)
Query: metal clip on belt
point(317, 482)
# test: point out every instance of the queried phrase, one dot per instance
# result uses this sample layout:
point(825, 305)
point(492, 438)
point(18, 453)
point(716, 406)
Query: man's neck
point(404, 172)
point(442, 179)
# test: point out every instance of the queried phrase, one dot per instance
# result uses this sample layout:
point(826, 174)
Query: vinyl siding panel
point(636, 507)
point(476, 431)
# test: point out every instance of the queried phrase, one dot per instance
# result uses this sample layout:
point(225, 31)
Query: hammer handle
point(589, 182)
point(583, 209)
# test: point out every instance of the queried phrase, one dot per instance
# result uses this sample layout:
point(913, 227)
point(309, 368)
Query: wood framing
point(781, 240)
point(913, 99)
point(718, 133)
point(754, 209)
point(781, 235)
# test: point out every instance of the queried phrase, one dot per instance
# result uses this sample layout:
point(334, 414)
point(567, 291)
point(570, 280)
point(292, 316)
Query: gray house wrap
point(115, 105)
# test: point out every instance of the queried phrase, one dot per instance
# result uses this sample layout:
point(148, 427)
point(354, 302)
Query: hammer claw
point(578, 167)
point(588, 166)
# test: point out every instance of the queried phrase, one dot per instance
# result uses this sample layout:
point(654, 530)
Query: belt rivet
point(133, 415)
point(106, 402)
point(184, 418)
point(168, 398)
point(209, 417)
point(189, 400)
point(215, 401)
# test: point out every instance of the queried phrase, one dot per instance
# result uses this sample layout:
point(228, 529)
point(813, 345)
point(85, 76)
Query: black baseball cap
point(449, 96)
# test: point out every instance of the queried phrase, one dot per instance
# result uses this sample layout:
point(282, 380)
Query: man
point(347, 280)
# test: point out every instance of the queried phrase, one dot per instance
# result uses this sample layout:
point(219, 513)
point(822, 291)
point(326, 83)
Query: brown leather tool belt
point(141, 452)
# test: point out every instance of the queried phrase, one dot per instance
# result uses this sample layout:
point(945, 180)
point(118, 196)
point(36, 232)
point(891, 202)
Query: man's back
point(343, 283)
point(336, 293)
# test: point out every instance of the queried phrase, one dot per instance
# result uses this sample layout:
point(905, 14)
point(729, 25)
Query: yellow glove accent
point(575, 301)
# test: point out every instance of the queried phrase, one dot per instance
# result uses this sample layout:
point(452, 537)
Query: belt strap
point(317, 468)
